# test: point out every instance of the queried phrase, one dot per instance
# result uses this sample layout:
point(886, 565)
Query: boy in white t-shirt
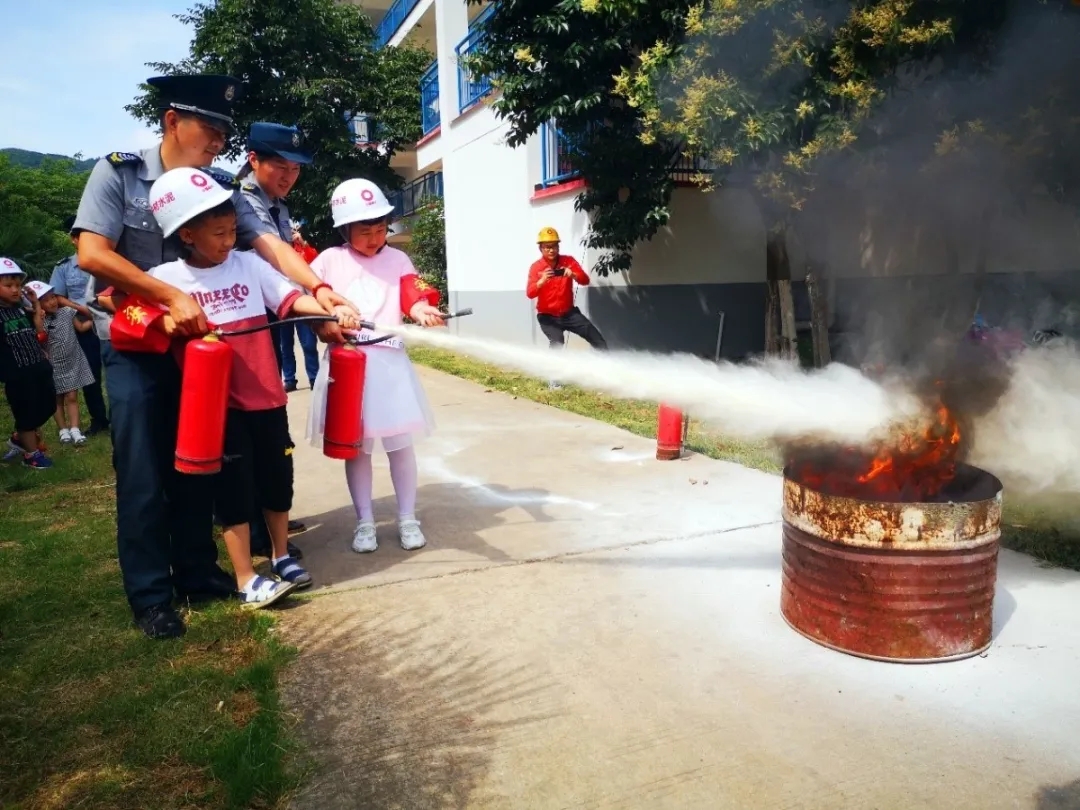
point(235, 289)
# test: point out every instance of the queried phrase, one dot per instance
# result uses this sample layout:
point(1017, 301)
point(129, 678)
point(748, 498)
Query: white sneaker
point(410, 535)
point(65, 436)
point(363, 539)
point(77, 437)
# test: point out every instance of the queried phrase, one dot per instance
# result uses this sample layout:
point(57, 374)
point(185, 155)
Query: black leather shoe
point(160, 621)
point(296, 526)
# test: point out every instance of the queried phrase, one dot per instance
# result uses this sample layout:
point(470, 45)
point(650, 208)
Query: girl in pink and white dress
point(383, 284)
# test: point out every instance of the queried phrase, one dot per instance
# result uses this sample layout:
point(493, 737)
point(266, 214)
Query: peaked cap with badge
point(266, 138)
point(206, 95)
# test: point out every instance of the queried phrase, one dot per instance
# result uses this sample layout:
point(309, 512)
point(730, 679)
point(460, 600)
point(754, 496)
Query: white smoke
point(766, 400)
point(1031, 438)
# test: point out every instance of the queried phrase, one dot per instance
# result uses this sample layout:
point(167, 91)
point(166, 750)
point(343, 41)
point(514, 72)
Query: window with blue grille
point(429, 99)
point(472, 88)
point(555, 155)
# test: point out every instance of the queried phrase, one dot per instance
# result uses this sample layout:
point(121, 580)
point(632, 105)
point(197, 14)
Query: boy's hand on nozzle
point(425, 314)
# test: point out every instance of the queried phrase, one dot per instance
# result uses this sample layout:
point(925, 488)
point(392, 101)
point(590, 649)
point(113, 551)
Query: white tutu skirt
point(396, 409)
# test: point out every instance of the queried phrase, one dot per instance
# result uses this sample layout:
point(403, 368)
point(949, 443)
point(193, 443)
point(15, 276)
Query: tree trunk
point(819, 319)
point(778, 272)
point(772, 331)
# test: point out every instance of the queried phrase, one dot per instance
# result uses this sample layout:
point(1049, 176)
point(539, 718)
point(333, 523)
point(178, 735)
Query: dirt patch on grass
point(242, 707)
point(171, 784)
point(228, 656)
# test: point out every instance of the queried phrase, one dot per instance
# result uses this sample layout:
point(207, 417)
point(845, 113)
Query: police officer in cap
point(275, 154)
point(164, 519)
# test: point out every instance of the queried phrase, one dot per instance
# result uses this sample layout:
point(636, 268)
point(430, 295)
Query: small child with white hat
point(24, 368)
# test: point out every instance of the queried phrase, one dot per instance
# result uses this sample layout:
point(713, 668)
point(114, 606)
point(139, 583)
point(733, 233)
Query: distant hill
point(24, 157)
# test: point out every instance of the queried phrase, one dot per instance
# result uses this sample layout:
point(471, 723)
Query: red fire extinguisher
point(669, 433)
point(204, 400)
point(343, 432)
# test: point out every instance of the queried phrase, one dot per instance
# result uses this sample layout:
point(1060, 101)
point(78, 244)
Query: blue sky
point(68, 68)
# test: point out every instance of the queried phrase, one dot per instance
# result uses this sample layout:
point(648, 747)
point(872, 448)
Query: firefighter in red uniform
point(551, 283)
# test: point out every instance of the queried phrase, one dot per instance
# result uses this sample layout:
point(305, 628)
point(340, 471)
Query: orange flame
point(913, 467)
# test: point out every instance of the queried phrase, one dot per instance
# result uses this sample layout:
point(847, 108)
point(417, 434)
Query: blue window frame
point(555, 152)
point(472, 88)
point(429, 99)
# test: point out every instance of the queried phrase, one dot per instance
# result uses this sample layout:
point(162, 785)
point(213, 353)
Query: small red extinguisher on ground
point(669, 433)
point(343, 431)
point(204, 401)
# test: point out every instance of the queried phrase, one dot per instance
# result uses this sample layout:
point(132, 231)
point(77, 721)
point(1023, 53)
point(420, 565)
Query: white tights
point(402, 472)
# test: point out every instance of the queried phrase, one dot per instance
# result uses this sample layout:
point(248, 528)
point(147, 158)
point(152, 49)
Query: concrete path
point(590, 628)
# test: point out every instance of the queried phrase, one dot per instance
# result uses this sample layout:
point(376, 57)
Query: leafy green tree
point(557, 60)
point(311, 63)
point(428, 246)
point(34, 202)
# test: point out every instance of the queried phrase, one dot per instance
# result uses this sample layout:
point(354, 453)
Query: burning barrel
point(871, 571)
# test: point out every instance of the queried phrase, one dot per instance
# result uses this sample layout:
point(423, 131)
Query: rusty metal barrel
point(899, 582)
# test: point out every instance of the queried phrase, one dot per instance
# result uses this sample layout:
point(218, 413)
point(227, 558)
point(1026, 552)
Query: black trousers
point(164, 523)
point(95, 400)
point(555, 328)
point(260, 534)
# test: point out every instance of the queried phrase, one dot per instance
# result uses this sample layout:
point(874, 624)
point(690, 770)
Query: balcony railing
point(392, 20)
point(472, 88)
point(555, 149)
point(364, 130)
point(412, 198)
point(687, 169)
point(429, 99)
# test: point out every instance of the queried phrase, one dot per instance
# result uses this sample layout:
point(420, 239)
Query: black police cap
point(266, 138)
point(208, 95)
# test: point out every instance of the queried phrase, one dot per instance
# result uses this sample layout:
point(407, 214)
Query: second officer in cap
point(164, 519)
point(276, 154)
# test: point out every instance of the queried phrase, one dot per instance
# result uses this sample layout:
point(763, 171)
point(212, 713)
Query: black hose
point(271, 324)
point(324, 318)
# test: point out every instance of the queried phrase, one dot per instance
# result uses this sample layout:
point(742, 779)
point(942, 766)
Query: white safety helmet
point(9, 268)
point(180, 195)
point(40, 288)
point(358, 200)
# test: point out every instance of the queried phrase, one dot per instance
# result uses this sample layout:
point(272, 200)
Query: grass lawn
point(1048, 531)
point(93, 714)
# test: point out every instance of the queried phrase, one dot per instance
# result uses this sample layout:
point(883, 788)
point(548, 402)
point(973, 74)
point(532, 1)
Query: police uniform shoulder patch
point(123, 158)
point(223, 179)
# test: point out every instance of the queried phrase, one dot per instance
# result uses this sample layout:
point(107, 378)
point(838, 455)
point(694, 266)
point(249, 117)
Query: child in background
point(235, 289)
point(383, 284)
point(24, 369)
point(71, 370)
